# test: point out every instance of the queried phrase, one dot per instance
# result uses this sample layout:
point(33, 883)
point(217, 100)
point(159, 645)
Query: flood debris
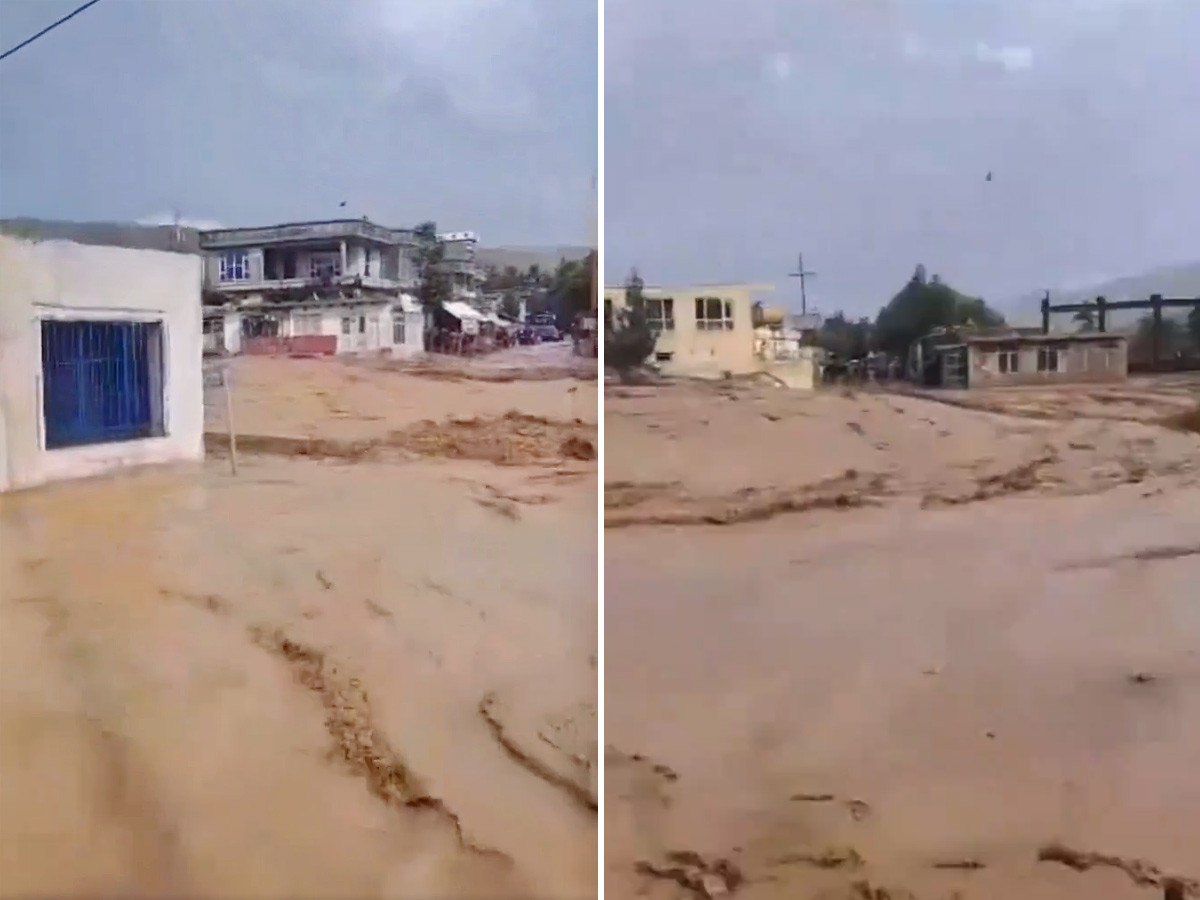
point(846, 858)
point(356, 741)
point(578, 793)
point(1140, 871)
point(704, 878)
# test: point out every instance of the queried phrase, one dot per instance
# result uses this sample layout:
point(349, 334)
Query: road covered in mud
point(863, 645)
point(363, 666)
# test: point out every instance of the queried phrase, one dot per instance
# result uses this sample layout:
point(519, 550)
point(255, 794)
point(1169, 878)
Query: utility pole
point(802, 274)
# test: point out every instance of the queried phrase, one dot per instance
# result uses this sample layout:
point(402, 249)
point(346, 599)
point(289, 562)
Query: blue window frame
point(234, 266)
point(102, 381)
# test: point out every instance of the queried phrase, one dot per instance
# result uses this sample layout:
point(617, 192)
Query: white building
point(319, 328)
point(100, 360)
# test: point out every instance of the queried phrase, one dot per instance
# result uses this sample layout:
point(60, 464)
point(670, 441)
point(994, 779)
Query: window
point(362, 324)
point(325, 265)
point(660, 314)
point(1009, 362)
point(1047, 359)
point(234, 266)
point(102, 381)
point(663, 357)
point(306, 323)
point(398, 328)
point(714, 314)
point(346, 325)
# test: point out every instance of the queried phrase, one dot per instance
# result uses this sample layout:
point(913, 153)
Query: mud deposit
point(901, 649)
point(270, 685)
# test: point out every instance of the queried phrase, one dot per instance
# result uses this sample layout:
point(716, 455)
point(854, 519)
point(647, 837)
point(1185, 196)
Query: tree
point(1193, 324)
point(1086, 318)
point(923, 305)
point(571, 289)
point(433, 284)
point(845, 338)
point(510, 306)
point(629, 340)
point(1173, 338)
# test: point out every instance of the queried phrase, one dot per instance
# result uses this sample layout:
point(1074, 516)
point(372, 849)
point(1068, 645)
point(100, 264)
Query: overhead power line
point(45, 31)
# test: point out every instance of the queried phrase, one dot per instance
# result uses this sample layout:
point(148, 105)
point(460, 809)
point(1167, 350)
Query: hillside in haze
point(1170, 281)
point(521, 258)
point(163, 237)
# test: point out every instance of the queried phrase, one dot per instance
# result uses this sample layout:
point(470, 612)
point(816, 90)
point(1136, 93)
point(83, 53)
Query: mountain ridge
point(138, 236)
point(1176, 280)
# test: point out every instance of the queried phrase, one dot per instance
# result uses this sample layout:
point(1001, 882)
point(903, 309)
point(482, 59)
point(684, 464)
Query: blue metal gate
point(99, 381)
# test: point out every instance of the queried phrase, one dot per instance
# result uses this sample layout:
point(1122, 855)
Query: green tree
point(845, 338)
point(923, 305)
point(510, 306)
point(1173, 337)
point(1193, 324)
point(628, 339)
point(433, 284)
point(1086, 318)
point(571, 289)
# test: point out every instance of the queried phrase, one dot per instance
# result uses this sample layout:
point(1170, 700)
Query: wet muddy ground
point(334, 674)
point(868, 646)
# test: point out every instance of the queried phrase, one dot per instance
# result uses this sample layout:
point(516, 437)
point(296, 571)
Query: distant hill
point(1170, 281)
point(163, 237)
point(521, 258)
point(106, 234)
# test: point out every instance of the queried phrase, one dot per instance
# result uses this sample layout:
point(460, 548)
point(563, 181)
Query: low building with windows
point(704, 331)
point(317, 328)
point(1010, 357)
point(100, 360)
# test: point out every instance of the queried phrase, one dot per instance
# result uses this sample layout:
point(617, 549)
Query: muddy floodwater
point(355, 675)
point(865, 646)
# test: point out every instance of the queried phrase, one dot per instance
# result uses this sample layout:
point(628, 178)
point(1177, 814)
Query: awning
point(463, 311)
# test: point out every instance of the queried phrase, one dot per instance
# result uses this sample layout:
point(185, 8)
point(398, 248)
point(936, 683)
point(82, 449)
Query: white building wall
point(233, 332)
point(58, 279)
point(377, 334)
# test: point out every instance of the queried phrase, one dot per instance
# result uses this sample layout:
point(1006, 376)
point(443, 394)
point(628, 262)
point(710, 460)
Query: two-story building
point(704, 331)
point(338, 286)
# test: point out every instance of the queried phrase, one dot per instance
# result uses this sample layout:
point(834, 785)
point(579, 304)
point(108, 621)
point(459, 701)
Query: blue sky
point(479, 114)
point(862, 132)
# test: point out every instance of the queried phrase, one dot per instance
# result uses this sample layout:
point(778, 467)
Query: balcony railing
point(300, 231)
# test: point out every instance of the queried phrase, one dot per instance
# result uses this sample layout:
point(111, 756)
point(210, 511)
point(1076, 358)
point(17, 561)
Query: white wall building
point(355, 325)
point(100, 360)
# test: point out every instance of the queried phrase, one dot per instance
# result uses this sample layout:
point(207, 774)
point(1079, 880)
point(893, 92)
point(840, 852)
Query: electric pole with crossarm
point(802, 274)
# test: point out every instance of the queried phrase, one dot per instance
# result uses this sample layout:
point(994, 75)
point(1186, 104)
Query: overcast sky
point(480, 114)
point(862, 132)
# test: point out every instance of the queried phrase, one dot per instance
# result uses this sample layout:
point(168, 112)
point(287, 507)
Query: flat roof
point(697, 288)
point(1052, 338)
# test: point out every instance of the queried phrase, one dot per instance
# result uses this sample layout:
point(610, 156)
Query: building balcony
point(237, 287)
point(335, 230)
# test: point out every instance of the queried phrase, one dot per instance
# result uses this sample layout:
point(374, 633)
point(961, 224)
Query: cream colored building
point(704, 331)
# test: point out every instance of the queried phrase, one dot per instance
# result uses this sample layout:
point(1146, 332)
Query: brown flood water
point(270, 686)
point(896, 701)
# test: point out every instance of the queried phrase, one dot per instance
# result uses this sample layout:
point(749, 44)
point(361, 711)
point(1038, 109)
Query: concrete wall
point(62, 280)
point(688, 351)
point(1079, 361)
